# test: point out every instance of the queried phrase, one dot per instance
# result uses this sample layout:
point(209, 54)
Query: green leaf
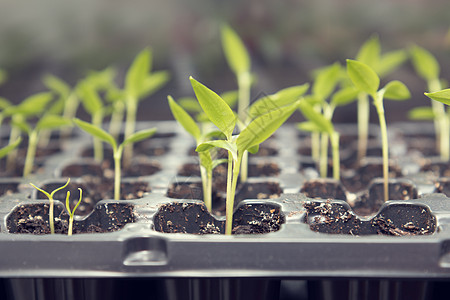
point(218, 162)
point(326, 81)
point(57, 85)
point(205, 146)
point(205, 160)
point(318, 119)
point(421, 113)
point(214, 134)
point(33, 105)
point(137, 73)
point(369, 52)
point(396, 90)
point(281, 98)
point(425, 63)
point(254, 149)
point(22, 125)
point(5, 150)
point(264, 126)
point(441, 96)
point(190, 104)
point(363, 77)
point(152, 83)
point(103, 79)
point(309, 126)
point(235, 51)
point(215, 108)
point(52, 122)
point(344, 96)
point(90, 98)
point(96, 132)
point(184, 119)
point(139, 136)
point(390, 61)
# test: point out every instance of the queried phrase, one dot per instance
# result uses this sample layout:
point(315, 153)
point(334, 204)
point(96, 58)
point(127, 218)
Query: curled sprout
point(72, 212)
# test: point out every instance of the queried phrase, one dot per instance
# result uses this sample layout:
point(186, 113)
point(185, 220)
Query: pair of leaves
point(44, 123)
point(108, 138)
point(366, 80)
point(31, 106)
point(316, 121)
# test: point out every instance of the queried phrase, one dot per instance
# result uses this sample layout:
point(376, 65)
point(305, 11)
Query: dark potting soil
point(324, 188)
point(33, 219)
point(194, 218)
point(437, 167)
point(393, 219)
point(8, 188)
point(94, 189)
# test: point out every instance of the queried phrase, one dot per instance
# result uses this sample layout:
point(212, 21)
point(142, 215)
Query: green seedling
point(139, 83)
point(200, 134)
point(72, 212)
point(52, 204)
point(443, 97)
point(239, 61)
point(382, 64)
point(32, 106)
point(93, 104)
point(321, 124)
point(47, 122)
point(366, 80)
point(101, 134)
point(257, 131)
point(427, 67)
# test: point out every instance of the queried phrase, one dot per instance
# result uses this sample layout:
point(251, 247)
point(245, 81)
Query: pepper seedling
point(52, 203)
point(443, 96)
point(206, 161)
point(253, 134)
point(101, 134)
point(427, 67)
point(47, 122)
point(139, 83)
point(382, 64)
point(366, 80)
point(72, 212)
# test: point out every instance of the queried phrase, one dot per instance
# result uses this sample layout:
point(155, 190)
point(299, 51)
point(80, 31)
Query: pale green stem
point(233, 174)
point(70, 110)
point(336, 155)
point(206, 175)
point(69, 232)
point(440, 121)
point(385, 145)
point(244, 84)
point(445, 155)
point(363, 124)
point(44, 138)
point(31, 153)
point(117, 172)
point(324, 155)
point(97, 119)
point(315, 146)
point(15, 133)
point(115, 123)
point(51, 218)
point(130, 126)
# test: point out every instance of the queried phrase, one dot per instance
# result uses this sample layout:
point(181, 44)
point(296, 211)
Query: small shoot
point(72, 212)
point(382, 64)
point(140, 83)
point(52, 203)
point(101, 134)
point(442, 96)
point(253, 134)
point(366, 80)
point(427, 67)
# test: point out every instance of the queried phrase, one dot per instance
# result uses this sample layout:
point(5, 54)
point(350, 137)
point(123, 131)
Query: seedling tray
point(301, 240)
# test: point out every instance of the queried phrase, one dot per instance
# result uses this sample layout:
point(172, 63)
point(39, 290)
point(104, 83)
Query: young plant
point(321, 124)
point(32, 106)
point(47, 122)
point(248, 139)
point(239, 61)
point(72, 212)
point(427, 67)
point(140, 82)
point(101, 134)
point(206, 161)
point(366, 80)
point(52, 204)
point(370, 54)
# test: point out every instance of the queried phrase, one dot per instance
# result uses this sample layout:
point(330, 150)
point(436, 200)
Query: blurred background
point(287, 39)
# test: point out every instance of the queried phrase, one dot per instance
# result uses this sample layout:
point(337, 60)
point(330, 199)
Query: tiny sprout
point(52, 204)
point(72, 212)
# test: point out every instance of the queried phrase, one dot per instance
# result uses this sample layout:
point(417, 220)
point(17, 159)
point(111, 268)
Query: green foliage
point(363, 77)
point(7, 149)
point(424, 63)
point(442, 96)
point(421, 113)
point(235, 51)
point(184, 119)
point(326, 81)
point(396, 90)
